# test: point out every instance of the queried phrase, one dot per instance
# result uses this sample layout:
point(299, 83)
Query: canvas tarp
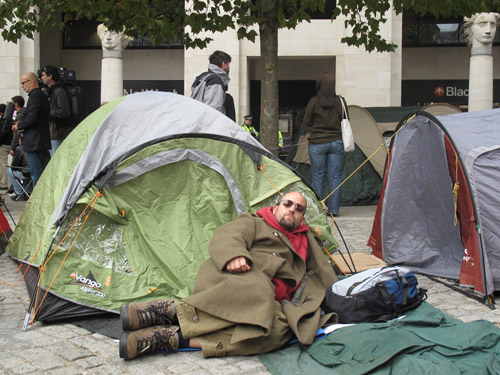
point(426, 341)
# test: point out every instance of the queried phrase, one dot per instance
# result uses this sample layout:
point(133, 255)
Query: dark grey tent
point(439, 211)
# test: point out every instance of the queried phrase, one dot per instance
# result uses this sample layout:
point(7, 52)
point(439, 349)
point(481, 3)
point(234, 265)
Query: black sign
point(92, 89)
point(453, 91)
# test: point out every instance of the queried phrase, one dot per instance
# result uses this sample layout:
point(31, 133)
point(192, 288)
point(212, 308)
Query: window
point(82, 34)
point(427, 31)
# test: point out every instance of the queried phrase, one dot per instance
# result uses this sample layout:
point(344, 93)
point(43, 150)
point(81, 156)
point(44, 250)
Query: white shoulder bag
point(347, 136)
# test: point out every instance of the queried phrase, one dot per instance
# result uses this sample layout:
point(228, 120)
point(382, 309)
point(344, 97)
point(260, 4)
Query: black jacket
point(21, 115)
point(36, 124)
point(60, 111)
point(5, 132)
point(20, 159)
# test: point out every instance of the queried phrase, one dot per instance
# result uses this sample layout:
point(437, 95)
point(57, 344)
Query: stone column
point(113, 43)
point(479, 32)
point(481, 79)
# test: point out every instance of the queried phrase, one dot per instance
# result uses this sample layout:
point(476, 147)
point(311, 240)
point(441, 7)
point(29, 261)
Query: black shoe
point(11, 190)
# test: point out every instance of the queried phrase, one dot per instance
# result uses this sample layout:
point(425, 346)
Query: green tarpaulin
point(426, 341)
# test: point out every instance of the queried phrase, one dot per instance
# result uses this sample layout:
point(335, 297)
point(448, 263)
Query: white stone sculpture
point(113, 43)
point(479, 32)
point(112, 40)
point(480, 29)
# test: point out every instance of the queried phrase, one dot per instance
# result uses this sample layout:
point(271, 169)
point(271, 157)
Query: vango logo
point(89, 281)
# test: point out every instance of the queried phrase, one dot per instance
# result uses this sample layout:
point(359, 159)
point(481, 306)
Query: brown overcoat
point(248, 298)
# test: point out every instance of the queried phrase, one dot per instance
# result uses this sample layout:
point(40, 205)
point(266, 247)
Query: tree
point(175, 20)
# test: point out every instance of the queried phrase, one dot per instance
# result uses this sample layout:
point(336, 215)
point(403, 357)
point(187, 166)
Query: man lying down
point(263, 285)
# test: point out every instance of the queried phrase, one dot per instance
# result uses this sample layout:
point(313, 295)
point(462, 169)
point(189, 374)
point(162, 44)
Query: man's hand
point(238, 264)
point(14, 127)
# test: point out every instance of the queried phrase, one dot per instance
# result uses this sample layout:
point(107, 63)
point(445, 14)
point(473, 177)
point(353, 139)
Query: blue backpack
point(374, 295)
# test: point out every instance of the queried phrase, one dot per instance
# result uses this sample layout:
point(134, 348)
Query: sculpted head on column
point(112, 40)
point(480, 29)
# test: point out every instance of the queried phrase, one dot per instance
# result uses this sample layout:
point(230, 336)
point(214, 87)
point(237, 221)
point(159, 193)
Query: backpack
point(78, 104)
point(374, 295)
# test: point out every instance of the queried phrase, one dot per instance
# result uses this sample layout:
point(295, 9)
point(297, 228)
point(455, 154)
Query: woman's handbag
point(347, 136)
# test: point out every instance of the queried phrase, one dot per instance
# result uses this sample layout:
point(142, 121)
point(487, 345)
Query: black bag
point(78, 104)
point(374, 295)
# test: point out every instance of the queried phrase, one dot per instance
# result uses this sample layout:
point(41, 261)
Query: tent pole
point(487, 300)
point(345, 261)
point(348, 252)
point(33, 293)
point(7, 208)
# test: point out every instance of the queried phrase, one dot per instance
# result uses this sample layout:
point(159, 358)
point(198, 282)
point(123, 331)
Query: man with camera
point(60, 108)
point(35, 126)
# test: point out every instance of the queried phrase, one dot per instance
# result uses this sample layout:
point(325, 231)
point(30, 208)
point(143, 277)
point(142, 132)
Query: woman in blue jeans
point(326, 150)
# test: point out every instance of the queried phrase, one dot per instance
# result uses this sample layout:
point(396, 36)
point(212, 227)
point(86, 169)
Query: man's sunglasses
point(288, 203)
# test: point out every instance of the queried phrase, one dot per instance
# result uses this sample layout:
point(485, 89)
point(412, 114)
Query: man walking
point(210, 87)
point(34, 128)
point(60, 108)
point(263, 284)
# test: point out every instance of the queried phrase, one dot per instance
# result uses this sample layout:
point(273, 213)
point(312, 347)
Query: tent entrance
point(417, 216)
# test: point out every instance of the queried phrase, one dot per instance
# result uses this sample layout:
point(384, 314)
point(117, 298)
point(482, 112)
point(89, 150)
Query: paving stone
point(183, 368)
point(71, 353)
point(67, 370)
point(251, 364)
point(17, 365)
point(91, 362)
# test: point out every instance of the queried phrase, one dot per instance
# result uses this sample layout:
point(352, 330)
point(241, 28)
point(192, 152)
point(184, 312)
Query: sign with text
point(456, 92)
point(92, 89)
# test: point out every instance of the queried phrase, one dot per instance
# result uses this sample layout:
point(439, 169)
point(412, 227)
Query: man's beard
point(288, 225)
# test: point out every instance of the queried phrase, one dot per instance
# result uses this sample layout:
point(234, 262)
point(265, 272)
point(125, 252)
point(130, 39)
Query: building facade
point(431, 64)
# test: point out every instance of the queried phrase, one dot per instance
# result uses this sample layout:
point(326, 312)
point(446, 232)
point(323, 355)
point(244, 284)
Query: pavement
point(67, 349)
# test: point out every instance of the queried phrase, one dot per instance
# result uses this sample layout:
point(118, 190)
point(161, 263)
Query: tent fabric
point(414, 204)
point(172, 171)
point(5, 232)
point(146, 109)
point(175, 156)
point(414, 224)
point(425, 341)
point(368, 136)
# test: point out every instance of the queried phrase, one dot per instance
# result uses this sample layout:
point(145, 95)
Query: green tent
point(171, 171)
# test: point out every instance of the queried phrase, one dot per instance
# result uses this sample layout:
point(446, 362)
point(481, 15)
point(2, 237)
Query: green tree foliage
point(188, 21)
point(166, 19)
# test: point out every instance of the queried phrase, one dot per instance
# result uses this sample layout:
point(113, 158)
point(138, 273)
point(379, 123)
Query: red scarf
point(298, 239)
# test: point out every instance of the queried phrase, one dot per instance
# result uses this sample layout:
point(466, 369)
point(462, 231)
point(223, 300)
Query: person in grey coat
point(210, 87)
point(263, 285)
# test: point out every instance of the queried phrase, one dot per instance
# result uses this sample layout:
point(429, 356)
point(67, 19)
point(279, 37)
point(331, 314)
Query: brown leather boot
point(147, 340)
point(138, 315)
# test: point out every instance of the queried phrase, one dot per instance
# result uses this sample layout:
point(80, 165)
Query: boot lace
point(158, 313)
point(159, 340)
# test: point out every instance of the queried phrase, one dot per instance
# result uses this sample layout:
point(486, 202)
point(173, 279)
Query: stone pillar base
point(111, 79)
point(481, 82)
